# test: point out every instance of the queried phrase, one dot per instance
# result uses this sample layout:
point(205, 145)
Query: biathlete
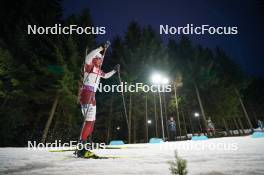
point(92, 74)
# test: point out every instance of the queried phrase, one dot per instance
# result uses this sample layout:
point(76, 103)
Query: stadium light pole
point(197, 115)
point(178, 83)
point(148, 124)
point(158, 79)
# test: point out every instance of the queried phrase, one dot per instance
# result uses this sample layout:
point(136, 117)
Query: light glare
point(156, 78)
point(196, 114)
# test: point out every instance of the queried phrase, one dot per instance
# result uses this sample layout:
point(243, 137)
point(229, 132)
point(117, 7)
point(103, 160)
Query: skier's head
point(171, 119)
point(97, 61)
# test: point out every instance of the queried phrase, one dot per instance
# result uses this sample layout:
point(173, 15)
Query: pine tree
point(178, 166)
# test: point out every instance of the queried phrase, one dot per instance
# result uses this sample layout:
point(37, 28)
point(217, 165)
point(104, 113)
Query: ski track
point(145, 159)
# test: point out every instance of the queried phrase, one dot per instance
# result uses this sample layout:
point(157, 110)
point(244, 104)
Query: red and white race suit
point(91, 80)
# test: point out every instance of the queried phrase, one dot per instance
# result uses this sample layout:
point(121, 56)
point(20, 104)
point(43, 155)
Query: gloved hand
point(104, 46)
point(107, 44)
point(117, 67)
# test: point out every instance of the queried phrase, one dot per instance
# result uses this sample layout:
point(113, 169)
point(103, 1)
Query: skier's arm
point(92, 54)
point(111, 73)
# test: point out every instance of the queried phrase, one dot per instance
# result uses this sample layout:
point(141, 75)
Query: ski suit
point(91, 80)
point(172, 129)
point(210, 125)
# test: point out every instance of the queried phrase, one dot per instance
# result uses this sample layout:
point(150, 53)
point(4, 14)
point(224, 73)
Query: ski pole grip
point(107, 44)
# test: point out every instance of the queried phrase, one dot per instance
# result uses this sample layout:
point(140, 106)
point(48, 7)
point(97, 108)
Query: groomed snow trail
point(230, 155)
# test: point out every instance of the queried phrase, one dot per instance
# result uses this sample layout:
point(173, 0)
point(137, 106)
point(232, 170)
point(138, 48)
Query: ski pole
point(123, 96)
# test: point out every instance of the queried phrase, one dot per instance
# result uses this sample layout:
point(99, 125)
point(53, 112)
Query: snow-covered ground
point(232, 155)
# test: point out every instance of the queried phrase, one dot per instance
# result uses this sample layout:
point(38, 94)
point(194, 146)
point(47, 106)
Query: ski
point(92, 155)
point(99, 157)
point(61, 150)
point(74, 149)
point(108, 147)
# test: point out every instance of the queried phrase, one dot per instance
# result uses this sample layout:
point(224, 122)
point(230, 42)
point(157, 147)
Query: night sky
point(246, 48)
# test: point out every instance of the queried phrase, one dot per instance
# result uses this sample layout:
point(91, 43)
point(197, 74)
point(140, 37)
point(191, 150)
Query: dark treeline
point(40, 74)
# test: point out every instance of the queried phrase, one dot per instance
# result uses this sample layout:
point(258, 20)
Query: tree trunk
point(201, 106)
point(4, 102)
point(226, 127)
point(235, 122)
point(190, 119)
point(134, 130)
point(161, 117)
point(241, 126)
point(155, 115)
point(184, 123)
point(146, 118)
point(130, 118)
point(57, 123)
point(244, 110)
point(177, 110)
point(109, 121)
point(52, 112)
point(166, 115)
point(254, 114)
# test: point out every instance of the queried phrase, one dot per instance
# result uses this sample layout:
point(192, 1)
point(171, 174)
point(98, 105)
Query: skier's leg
point(174, 136)
point(86, 130)
point(87, 102)
point(92, 118)
point(89, 140)
point(89, 115)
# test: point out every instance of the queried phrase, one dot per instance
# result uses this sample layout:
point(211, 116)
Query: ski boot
point(84, 152)
point(87, 154)
point(90, 155)
point(80, 149)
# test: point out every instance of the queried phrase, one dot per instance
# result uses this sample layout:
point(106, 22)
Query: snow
point(229, 155)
